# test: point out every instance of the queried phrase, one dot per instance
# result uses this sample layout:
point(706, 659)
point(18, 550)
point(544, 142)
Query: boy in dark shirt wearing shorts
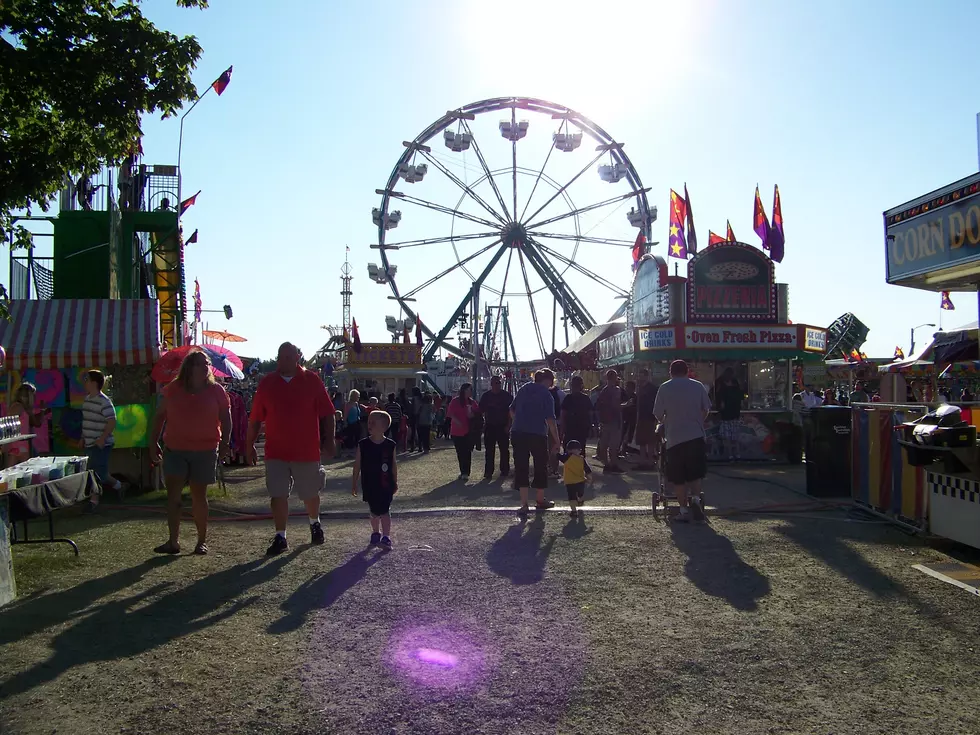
point(374, 464)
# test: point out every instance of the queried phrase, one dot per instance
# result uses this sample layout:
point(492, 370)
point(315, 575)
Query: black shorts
point(379, 505)
point(687, 462)
point(575, 490)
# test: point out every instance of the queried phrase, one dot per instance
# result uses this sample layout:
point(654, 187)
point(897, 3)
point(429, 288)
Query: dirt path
point(483, 623)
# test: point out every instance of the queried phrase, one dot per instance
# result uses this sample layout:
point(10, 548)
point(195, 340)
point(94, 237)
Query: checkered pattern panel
point(954, 487)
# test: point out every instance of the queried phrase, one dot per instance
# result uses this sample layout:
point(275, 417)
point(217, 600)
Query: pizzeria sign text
point(731, 282)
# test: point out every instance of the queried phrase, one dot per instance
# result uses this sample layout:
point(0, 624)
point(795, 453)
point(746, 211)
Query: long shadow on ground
point(130, 626)
point(322, 592)
point(520, 554)
point(715, 567)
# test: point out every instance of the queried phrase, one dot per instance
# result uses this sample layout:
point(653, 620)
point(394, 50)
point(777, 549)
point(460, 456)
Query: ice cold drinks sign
point(735, 337)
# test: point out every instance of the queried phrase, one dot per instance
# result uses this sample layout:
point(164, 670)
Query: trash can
point(827, 443)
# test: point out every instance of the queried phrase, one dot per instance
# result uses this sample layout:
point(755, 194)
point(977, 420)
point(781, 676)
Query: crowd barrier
point(881, 477)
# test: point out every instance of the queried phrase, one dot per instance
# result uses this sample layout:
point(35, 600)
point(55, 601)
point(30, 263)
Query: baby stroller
point(660, 494)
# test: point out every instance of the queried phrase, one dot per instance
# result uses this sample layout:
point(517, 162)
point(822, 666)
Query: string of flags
point(683, 242)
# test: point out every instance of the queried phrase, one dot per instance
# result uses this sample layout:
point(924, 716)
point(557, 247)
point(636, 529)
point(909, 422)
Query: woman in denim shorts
point(195, 416)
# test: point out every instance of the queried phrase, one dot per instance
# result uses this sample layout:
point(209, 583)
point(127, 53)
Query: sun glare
point(605, 59)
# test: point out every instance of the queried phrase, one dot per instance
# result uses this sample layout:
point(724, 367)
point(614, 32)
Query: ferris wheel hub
point(513, 234)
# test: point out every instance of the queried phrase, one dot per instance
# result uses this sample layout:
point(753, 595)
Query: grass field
point(479, 622)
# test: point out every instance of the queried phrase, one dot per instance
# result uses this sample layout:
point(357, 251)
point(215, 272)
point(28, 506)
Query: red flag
point(418, 330)
point(776, 238)
point(714, 239)
point(946, 303)
point(760, 223)
point(357, 336)
point(639, 248)
point(730, 235)
point(406, 335)
point(192, 239)
point(221, 83)
point(187, 203)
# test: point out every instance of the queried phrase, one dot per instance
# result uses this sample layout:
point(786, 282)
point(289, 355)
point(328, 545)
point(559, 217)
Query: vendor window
point(767, 384)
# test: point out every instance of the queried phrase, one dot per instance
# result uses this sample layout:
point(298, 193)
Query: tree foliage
point(75, 78)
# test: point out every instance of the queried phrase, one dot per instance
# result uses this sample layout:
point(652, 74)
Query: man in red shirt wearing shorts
point(299, 434)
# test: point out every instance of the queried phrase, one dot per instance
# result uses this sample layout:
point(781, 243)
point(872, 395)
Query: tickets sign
point(741, 337)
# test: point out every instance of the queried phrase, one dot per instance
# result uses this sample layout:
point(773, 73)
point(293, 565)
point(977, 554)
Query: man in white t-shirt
point(682, 405)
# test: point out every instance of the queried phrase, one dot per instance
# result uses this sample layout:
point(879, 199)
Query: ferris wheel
point(487, 203)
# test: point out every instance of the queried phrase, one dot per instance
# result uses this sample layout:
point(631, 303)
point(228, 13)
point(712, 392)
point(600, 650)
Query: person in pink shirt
point(33, 420)
point(461, 409)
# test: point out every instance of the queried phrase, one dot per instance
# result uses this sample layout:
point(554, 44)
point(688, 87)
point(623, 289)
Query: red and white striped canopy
point(63, 333)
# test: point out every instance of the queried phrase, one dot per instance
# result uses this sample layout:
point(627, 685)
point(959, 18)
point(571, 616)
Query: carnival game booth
point(728, 312)
point(931, 243)
point(380, 369)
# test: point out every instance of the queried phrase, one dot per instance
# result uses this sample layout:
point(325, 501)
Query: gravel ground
point(481, 622)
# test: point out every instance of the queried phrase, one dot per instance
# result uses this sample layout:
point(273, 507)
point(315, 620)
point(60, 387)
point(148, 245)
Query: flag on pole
point(639, 248)
point(714, 239)
point(729, 233)
point(760, 223)
point(187, 203)
point(192, 239)
point(692, 237)
point(677, 245)
point(221, 83)
point(946, 304)
point(899, 353)
point(776, 238)
point(406, 335)
point(197, 301)
point(357, 336)
point(418, 330)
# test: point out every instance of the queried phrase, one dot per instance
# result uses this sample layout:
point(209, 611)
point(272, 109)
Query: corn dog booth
point(727, 312)
point(933, 243)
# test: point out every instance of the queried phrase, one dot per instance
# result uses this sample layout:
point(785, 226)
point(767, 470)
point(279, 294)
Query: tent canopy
point(64, 333)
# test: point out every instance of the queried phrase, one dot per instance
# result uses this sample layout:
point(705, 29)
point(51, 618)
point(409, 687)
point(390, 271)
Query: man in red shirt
point(299, 434)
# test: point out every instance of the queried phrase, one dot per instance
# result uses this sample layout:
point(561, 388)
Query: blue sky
point(851, 108)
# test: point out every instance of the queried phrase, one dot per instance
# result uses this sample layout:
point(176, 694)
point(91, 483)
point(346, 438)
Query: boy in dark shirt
point(374, 464)
point(576, 470)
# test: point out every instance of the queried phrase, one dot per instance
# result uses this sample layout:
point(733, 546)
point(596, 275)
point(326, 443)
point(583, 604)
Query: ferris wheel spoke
point(589, 208)
point(439, 340)
point(462, 185)
point(561, 191)
point(581, 269)
point(437, 240)
point(486, 169)
point(450, 269)
point(537, 180)
point(585, 238)
point(530, 299)
point(440, 208)
point(570, 303)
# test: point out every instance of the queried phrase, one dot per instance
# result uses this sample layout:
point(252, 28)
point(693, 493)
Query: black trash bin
point(827, 443)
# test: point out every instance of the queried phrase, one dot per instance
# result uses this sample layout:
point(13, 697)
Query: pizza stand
point(932, 243)
point(728, 312)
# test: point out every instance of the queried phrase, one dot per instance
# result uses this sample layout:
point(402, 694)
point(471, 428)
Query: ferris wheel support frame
point(572, 306)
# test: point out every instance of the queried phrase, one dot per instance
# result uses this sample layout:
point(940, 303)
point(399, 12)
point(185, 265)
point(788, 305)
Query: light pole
point(218, 85)
point(912, 338)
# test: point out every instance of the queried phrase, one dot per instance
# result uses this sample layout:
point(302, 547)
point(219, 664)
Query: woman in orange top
point(197, 416)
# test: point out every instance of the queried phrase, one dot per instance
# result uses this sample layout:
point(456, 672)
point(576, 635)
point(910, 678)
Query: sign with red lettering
point(731, 282)
point(741, 337)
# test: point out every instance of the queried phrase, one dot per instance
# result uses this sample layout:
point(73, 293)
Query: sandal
point(545, 505)
point(201, 549)
point(167, 548)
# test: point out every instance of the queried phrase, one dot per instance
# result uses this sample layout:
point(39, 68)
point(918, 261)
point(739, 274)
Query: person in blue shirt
point(533, 423)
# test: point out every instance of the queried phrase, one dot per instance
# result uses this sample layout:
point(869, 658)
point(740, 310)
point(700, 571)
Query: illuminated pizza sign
point(731, 282)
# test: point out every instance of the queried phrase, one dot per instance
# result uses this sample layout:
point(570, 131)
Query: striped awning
point(64, 333)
